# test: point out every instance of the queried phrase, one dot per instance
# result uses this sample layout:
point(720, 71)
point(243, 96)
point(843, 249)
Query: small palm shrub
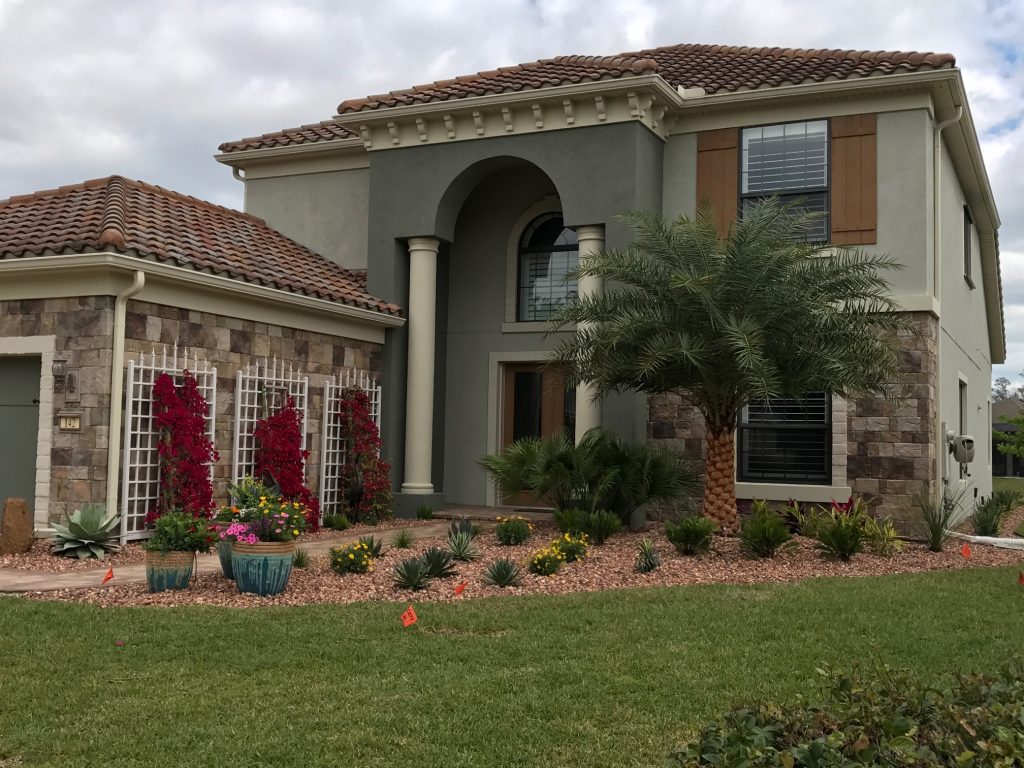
point(424, 512)
point(570, 520)
point(352, 558)
point(691, 534)
point(402, 539)
point(573, 546)
point(989, 515)
point(511, 531)
point(764, 532)
point(647, 558)
point(547, 561)
point(842, 537)
point(411, 573)
point(464, 525)
point(462, 547)
point(601, 525)
point(336, 522)
point(90, 532)
point(374, 545)
point(439, 563)
point(300, 558)
point(936, 518)
point(503, 573)
point(881, 537)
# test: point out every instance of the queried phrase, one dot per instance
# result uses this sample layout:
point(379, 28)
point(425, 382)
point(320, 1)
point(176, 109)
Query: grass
point(1008, 484)
point(606, 679)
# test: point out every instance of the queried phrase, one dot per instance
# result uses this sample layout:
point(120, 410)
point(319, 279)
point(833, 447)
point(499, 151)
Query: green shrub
point(371, 519)
point(547, 561)
point(511, 531)
point(424, 512)
point(439, 564)
point(461, 546)
point(764, 532)
point(570, 520)
point(573, 546)
point(1020, 530)
point(90, 533)
point(691, 534)
point(1007, 499)
point(300, 559)
point(808, 520)
point(881, 536)
point(503, 573)
point(935, 519)
point(888, 718)
point(841, 537)
point(402, 539)
point(179, 532)
point(988, 516)
point(411, 573)
point(248, 491)
point(373, 545)
point(647, 558)
point(601, 525)
point(351, 558)
point(336, 522)
point(464, 525)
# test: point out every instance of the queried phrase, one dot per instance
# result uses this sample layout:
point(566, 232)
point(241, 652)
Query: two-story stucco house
point(466, 200)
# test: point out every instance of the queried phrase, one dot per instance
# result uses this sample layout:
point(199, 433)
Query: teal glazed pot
point(224, 555)
point(262, 568)
point(168, 570)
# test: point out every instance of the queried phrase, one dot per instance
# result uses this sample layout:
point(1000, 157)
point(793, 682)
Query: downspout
point(117, 389)
point(942, 457)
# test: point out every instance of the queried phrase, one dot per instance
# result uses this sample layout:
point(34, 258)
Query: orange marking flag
point(965, 550)
point(409, 617)
point(1020, 578)
point(460, 589)
point(108, 576)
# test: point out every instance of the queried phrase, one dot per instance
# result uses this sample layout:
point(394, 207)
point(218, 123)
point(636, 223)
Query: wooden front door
point(536, 403)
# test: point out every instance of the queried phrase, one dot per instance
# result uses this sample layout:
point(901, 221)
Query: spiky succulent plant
point(439, 563)
point(90, 532)
point(374, 545)
point(461, 545)
point(647, 557)
point(411, 573)
point(503, 573)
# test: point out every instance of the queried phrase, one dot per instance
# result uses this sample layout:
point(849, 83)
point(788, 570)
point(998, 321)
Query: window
point(968, 228)
point(787, 440)
point(548, 251)
point(791, 161)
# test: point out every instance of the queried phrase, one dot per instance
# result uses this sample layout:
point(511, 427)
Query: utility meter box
point(962, 448)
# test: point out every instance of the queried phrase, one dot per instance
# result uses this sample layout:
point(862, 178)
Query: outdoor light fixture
point(59, 370)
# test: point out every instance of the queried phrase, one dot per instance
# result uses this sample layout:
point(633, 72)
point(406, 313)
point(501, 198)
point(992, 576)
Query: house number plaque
point(69, 422)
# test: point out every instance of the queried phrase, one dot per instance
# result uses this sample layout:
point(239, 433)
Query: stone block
point(16, 527)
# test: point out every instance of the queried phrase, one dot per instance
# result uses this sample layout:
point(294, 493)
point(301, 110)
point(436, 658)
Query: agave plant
point(647, 557)
point(503, 573)
point(438, 563)
point(411, 573)
point(461, 546)
point(90, 532)
point(374, 545)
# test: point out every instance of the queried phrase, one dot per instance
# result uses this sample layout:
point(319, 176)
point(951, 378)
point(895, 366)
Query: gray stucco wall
point(326, 212)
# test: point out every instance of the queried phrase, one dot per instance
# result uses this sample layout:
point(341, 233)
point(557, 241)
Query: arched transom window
point(548, 251)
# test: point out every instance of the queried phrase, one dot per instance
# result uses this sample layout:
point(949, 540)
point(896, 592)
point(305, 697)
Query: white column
point(588, 410)
point(419, 396)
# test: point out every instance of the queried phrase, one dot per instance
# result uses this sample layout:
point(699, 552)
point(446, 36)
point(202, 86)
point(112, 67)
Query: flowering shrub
point(281, 460)
point(365, 476)
point(573, 546)
point(179, 532)
point(272, 519)
point(547, 561)
point(238, 532)
point(354, 558)
point(185, 451)
point(512, 530)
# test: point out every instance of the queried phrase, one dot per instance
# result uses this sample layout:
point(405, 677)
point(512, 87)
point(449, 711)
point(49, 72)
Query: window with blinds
point(786, 440)
point(548, 252)
point(791, 161)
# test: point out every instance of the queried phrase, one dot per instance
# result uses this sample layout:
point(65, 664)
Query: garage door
point(19, 427)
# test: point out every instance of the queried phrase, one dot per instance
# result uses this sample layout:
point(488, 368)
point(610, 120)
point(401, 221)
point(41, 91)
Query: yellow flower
point(351, 556)
point(295, 532)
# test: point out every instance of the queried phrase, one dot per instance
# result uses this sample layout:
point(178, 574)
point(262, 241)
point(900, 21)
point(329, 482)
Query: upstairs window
point(968, 231)
point(786, 440)
point(791, 161)
point(548, 252)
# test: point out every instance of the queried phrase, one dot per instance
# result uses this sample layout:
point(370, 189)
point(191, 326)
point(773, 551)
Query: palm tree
point(762, 313)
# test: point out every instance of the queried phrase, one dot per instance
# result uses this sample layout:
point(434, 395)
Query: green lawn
point(1008, 484)
point(610, 679)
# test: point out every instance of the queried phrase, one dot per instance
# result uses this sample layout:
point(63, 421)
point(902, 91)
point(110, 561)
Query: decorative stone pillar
point(419, 409)
point(588, 410)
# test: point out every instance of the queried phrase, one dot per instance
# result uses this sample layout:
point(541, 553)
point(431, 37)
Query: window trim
point(968, 238)
point(809, 190)
point(828, 430)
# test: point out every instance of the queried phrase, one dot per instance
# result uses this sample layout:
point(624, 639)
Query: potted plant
point(246, 496)
point(263, 545)
point(171, 551)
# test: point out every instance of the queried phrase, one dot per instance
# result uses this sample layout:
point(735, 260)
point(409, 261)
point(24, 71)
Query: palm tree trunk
point(720, 480)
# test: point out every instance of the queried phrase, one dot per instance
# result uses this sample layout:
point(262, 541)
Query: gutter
point(117, 389)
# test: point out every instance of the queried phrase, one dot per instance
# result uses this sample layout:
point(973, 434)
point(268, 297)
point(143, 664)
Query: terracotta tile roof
point(123, 216)
point(714, 68)
point(328, 130)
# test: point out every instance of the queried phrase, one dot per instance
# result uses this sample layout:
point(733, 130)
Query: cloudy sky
point(149, 89)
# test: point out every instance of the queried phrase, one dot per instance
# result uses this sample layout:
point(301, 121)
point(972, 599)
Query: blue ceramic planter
point(168, 570)
point(263, 568)
point(224, 555)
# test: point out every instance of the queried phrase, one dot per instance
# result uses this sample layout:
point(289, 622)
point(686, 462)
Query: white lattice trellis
point(259, 389)
point(332, 454)
point(140, 476)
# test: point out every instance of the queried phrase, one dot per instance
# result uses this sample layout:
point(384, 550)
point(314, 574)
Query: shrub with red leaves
point(365, 477)
point(185, 450)
point(281, 460)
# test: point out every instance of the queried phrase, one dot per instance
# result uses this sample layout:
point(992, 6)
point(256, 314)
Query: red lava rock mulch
point(40, 558)
point(1012, 522)
point(607, 567)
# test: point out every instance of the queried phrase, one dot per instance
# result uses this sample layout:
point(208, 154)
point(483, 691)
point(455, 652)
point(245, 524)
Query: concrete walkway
point(15, 580)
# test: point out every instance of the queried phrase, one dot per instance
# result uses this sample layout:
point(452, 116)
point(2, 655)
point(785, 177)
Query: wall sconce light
point(59, 370)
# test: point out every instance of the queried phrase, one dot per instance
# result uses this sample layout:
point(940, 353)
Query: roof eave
point(352, 144)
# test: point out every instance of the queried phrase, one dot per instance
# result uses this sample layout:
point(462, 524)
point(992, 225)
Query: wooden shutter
point(718, 174)
point(854, 180)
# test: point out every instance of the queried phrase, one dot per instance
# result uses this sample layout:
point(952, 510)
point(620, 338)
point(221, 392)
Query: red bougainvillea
point(281, 460)
point(185, 450)
point(365, 477)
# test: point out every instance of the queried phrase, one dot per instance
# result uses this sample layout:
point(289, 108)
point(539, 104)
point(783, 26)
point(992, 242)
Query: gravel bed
point(1012, 522)
point(40, 558)
point(607, 567)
